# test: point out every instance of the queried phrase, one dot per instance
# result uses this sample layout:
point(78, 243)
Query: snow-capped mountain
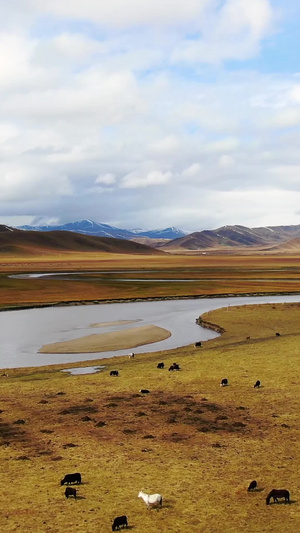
point(89, 227)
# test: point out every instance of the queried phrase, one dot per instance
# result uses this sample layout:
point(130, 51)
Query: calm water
point(83, 370)
point(22, 333)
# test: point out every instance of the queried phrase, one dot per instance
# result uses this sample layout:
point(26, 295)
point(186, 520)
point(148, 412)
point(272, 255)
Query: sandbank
point(113, 341)
point(116, 323)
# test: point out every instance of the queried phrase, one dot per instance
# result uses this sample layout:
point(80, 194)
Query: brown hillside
point(226, 237)
point(36, 242)
point(153, 243)
point(292, 246)
point(235, 237)
point(194, 241)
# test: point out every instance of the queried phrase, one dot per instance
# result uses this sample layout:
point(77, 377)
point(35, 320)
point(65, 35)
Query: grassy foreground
point(196, 443)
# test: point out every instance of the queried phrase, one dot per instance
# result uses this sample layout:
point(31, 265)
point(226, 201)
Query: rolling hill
point(291, 246)
point(232, 237)
point(22, 242)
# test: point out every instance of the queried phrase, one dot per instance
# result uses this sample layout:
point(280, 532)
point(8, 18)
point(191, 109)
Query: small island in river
point(106, 342)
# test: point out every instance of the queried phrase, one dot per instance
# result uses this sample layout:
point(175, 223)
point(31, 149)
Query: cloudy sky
point(150, 114)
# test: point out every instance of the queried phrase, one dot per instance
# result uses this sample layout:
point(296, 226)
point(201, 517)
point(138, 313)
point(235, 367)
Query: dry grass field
point(196, 443)
point(106, 276)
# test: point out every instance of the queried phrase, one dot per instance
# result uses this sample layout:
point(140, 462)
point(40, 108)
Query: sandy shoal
point(106, 342)
point(116, 323)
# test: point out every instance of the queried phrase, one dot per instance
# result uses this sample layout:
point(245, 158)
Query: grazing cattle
point(277, 334)
point(257, 384)
point(119, 521)
point(161, 365)
point(224, 382)
point(70, 492)
point(253, 485)
point(144, 391)
point(151, 500)
point(114, 373)
point(275, 494)
point(131, 355)
point(174, 366)
point(247, 338)
point(198, 344)
point(71, 478)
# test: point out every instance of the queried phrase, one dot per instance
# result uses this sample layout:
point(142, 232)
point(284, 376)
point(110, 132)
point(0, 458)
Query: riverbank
point(73, 303)
point(208, 325)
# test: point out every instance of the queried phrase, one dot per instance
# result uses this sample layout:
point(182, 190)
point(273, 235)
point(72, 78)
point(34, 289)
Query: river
point(23, 332)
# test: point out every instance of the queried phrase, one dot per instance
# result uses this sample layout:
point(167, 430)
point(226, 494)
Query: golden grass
point(196, 443)
point(98, 277)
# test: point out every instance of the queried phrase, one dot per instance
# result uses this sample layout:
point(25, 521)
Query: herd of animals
point(155, 500)
point(151, 500)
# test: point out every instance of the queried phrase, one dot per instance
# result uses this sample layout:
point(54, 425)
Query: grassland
point(196, 443)
point(110, 277)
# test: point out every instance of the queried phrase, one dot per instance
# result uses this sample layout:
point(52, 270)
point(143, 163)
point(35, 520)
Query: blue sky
point(135, 114)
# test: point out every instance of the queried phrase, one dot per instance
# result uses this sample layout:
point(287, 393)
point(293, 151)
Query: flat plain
point(113, 277)
point(196, 443)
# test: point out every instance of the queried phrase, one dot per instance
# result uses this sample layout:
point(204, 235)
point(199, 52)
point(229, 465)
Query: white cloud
point(226, 161)
point(8, 132)
point(232, 32)
point(192, 171)
point(288, 175)
point(120, 13)
point(66, 51)
point(141, 179)
point(19, 185)
point(229, 144)
point(106, 179)
point(295, 94)
point(108, 103)
point(166, 146)
point(107, 97)
point(15, 52)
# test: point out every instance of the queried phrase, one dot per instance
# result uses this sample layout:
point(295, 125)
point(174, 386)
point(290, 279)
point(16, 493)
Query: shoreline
point(71, 303)
point(209, 325)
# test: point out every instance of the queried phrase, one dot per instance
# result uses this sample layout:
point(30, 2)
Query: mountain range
point(89, 227)
point(227, 239)
point(172, 238)
point(269, 237)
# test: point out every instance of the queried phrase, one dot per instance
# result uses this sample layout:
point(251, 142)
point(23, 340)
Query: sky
point(144, 114)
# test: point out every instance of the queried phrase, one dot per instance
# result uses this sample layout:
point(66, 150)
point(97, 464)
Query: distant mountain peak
point(90, 227)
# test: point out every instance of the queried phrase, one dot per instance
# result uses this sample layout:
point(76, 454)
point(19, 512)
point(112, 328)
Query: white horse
point(151, 500)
